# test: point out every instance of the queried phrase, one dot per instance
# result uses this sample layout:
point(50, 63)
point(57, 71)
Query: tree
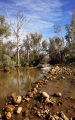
point(73, 25)
point(68, 36)
point(59, 45)
point(9, 47)
point(27, 43)
point(36, 39)
point(18, 30)
point(57, 29)
point(56, 45)
point(44, 45)
point(52, 50)
point(4, 30)
point(70, 28)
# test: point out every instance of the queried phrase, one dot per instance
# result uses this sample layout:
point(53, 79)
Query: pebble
point(8, 115)
point(19, 110)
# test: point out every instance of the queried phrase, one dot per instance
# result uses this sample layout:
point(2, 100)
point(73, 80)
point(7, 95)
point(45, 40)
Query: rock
point(57, 94)
point(26, 118)
point(35, 91)
point(63, 116)
point(73, 118)
point(8, 115)
point(27, 99)
point(16, 99)
point(44, 94)
point(47, 100)
point(26, 113)
point(19, 110)
point(9, 108)
point(30, 94)
point(0, 116)
point(38, 114)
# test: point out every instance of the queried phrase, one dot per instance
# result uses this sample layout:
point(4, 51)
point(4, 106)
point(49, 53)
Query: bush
point(23, 62)
point(35, 58)
point(7, 62)
point(69, 58)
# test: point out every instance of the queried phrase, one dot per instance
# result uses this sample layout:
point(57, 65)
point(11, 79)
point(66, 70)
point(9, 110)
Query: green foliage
point(45, 45)
point(35, 58)
point(7, 62)
point(23, 62)
point(4, 27)
point(69, 58)
point(56, 45)
point(36, 39)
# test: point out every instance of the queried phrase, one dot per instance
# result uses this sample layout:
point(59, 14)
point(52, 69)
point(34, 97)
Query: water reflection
point(21, 80)
point(18, 81)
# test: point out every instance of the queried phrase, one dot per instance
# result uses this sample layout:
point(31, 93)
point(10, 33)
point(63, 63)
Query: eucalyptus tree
point(4, 30)
point(73, 25)
point(9, 48)
point(45, 45)
point(36, 39)
point(57, 29)
point(55, 49)
point(27, 43)
point(70, 28)
point(18, 29)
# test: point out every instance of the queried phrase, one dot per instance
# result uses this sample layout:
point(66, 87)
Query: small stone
point(26, 118)
point(73, 118)
point(18, 100)
point(63, 116)
point(9, 108)
point(44, 94)
point(0, 116)
point(57, 94)
point(19, 110)
point(8, 115)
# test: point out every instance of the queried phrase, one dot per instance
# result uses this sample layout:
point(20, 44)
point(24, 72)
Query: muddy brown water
point(20, 81)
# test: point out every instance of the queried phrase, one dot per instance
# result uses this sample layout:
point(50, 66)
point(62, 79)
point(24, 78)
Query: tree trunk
point(18, 58)
point(28, 56)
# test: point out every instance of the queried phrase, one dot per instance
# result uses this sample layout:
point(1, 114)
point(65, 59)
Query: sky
point(41, 15)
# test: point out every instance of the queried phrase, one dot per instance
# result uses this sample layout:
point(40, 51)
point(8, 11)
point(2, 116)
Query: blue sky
point(43, 14)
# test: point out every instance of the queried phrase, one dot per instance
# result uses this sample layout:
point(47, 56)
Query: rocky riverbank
point(39, 103)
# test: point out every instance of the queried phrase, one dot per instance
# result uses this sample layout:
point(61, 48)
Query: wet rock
point(8, 115)
point(19, 110)
point(9, 108)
